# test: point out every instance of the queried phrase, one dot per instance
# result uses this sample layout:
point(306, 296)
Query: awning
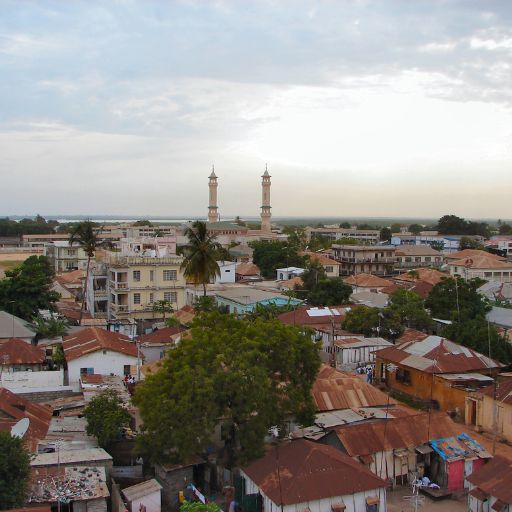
point(478, 494)
point(372, 500)
point(424, 449)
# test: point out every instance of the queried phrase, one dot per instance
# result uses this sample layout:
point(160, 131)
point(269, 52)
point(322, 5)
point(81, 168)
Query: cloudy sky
point(360, 108)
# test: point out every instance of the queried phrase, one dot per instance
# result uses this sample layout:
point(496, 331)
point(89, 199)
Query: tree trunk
point(82, 309)
point(204, 289)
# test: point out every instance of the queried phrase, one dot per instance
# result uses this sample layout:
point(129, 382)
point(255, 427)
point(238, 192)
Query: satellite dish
point(20, 429)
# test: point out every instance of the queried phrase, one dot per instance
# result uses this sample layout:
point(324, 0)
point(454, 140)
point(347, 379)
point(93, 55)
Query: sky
point(359, 108)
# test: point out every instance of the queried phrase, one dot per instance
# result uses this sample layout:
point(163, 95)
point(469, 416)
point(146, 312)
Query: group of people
point(129, 379)
point(369, 370)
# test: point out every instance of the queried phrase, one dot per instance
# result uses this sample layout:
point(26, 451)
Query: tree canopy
point(14, 471)
point(453, 225)
point(410, 309)
point(106, 416)
point(36, 226)
point(274, 254)
point(385, 234)
point(246, 374)
point(373, 322)
point(27, 288)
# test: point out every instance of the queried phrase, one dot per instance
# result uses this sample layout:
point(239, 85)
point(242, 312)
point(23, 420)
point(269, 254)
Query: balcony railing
point(120, 308)
point(118, 285)
point(124, 261)
point(346, 259)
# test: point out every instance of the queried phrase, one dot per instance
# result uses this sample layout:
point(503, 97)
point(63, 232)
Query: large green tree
point(373, 322)
point(200, 265)
point(106, 416)
point(27, 288)
point(14, 471)
point(457, 299)
point(245, 375)
point(274, 254)
point(410, 308)
point(86, 234)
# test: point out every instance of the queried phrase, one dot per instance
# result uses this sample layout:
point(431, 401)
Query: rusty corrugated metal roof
point(308, 472)
point(406, 432)
point(495, 478)
point(333, 390)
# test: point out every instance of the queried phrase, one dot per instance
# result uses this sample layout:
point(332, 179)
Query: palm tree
point(86, 235)
point(199, 265)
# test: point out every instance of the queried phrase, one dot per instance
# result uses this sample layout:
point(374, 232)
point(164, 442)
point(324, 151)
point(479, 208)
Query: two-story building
point(417, 256)
point(357, 259)
point(245, 299)
point(65, 257)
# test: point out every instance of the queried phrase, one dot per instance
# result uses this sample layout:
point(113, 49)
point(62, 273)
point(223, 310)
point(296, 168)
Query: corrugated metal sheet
point(494, 478)
point(335, 390)
point(308, 472)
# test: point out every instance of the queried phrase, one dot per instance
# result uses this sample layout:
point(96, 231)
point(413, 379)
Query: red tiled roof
point(74, 277)
point(367, 281)
point(482, 261)
point(428, 275)
point(185, 315)
point(494, 479)
point(471, 253)
point(164, 335)
point(94, 339)
point(394, 433)
point(319, 258)
point(334, 390)
point(422, 288)
point(14, 408)
point(308, 472)
point(16, 351)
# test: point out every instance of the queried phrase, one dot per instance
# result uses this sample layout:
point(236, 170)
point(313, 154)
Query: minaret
point(266, 213)
point(213, 213)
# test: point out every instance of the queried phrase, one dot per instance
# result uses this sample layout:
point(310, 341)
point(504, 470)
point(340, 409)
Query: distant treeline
point(37, 226)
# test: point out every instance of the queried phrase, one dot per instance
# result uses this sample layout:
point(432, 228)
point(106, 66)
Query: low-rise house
point(365, 236)
point(484, 266)
point(243, 300)
point(496, 291)
point(500, 317)
point(330, 265)
point(367, 282)
point(454, 459)
point(392, 448)
point(227, 272)
point(370, 299)
point(426, 275)
point(283, 274)
point(95, 350)
point(417, 256)
point(435, 369)
point(155, 344)
point(13, 408)
point(358, 259)
point(449, 243)
point(489, 486)
point(351, 353)
point(17, 355)
point(145, 496)
point(502, 243)
point(242, 253)
point(302, 475)
point(247, 272)
point(12, 326)
point(490, 409)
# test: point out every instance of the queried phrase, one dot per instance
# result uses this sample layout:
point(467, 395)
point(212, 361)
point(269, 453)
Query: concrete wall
point(152, 502)
point(18, 380)
point(172, 483)
point(103, 363)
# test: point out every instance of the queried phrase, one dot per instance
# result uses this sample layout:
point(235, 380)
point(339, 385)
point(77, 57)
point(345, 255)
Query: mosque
point(266, 213)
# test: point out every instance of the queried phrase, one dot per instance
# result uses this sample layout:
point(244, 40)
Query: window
point(136, 275)
point(136, 298)
point(417, 259)
point(151, 275)
point(328, 269)
point(169, 275)
point(488, 274)
point(127, 369)
point(72, 252)
point(171, 296)
point(428, 258)
point(151, 298)
point(86, 371)
point(403, 375)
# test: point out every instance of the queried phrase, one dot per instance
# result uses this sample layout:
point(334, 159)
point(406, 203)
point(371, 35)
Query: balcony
point(118, 285)
point(418, 264)
point(119, 308)
point(346, 259)
point(126, 261)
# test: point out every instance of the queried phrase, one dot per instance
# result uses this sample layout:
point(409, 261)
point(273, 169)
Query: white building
point(283, 274)
point(96, 351)
point(314, 477)
point(65, 257)
point(227, 272)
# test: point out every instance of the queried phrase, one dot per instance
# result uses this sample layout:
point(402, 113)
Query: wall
point(353, 502)
point(153, 352)
point(227, 272)
point(17, 380)
point(172, 483)
point(487, 411)
point(152, 502)
point(103, 364)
